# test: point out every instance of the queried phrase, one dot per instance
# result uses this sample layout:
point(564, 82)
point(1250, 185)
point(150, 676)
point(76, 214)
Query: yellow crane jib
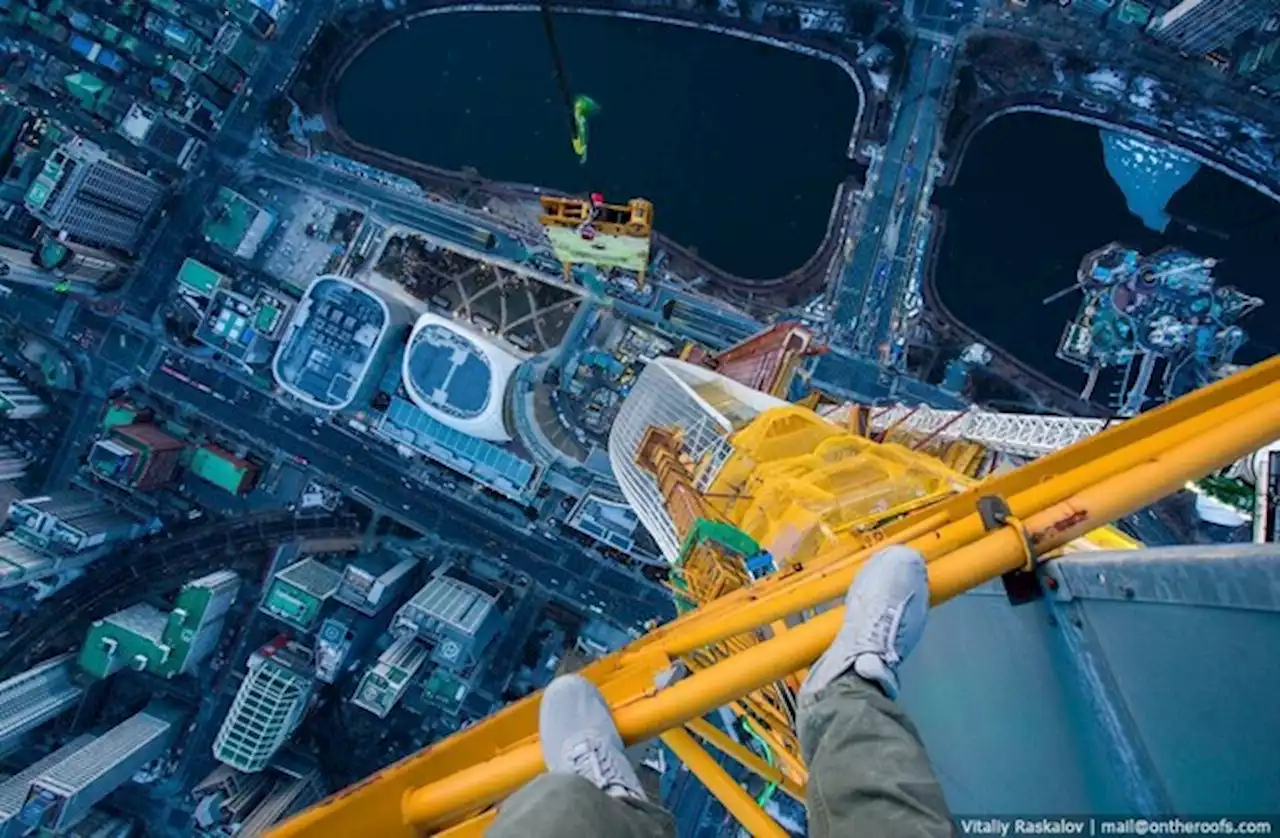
point(749, 642)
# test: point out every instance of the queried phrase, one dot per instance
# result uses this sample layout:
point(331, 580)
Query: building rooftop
point(298, 592)
point(385, 682)
point(458, 377)
point(485, 462)
point(445, 691)
point(311, 576)
point(240, 327)
point(165, 643)
point(329, 346)
point(371, 582)
point(238, 225)
point(19, 562)
point(453, 602)
point(199, 277)
point(222, 469)
point(13, 791)
point(270, 703)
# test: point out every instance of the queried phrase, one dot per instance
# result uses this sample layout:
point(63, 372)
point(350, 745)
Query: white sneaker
point(884, 617)
point(579, 737)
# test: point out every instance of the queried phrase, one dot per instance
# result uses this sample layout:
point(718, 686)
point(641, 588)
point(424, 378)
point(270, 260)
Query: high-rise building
point(386, 681)
point(299, 591)
point(458, 616)
point(767, 361)
point(20, 563)
point(368, 588)
point(1198, 27)
point(63, 266)
point(31, 698)
point(267, 708)
point(64, 792)
point(12, 464)
point(166, 643)
point(138, 455)
point(13, 791)
point(704, 407)
point(17, 402)
point(146, 127)
point(93, 199)
point(334, 642)
point(70, 521)
point(230, 802)
point(59, 533)
point(1261, 64)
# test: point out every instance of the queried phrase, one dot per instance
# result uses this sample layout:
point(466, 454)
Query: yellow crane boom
point(1001, 526)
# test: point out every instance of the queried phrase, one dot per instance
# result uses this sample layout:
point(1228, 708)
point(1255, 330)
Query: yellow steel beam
point(1043, 481)
point(726, 789)
point(1032, 487)
point(989, 558)
point(1059, 497)
point(786, 745)
point(472, 827)
point(722, 742)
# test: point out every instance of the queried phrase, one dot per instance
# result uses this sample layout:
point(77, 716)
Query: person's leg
point(591, 789)
point(568, 806)
point(869, 774)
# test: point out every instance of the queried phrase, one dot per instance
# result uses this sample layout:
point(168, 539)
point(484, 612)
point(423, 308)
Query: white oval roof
point(457, 377)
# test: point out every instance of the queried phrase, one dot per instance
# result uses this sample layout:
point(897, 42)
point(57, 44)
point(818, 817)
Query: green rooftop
point(52, 253)
point(165, 643)
point(237, 224)
point(1135, 12)
point(88, 89)
point(220, 469)
point(45, 182)
point(266, 320)
point(119, 414)
point(299, 591)
point(444, 690)
point(199, 277)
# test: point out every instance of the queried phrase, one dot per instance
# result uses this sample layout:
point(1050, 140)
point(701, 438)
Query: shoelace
point(596, 764)
point(886, 631)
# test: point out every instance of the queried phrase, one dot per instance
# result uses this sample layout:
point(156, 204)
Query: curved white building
point(330, 345)
point(703, 404)
point(458, 378)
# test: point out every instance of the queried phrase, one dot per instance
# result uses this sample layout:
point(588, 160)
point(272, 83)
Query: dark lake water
point(740, 145)
point(1033, 196)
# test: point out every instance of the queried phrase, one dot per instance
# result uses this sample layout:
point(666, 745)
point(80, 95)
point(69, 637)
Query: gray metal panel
point(1147, 685)
point(13, 791)
point(453, 602)
point(1200, 685)
point(1004, 719)
point(33, 697)
point(312, 576)
point(103, 765)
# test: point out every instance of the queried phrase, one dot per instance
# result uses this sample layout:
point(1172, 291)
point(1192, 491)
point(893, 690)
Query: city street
point(872, 283)
point(375, 475)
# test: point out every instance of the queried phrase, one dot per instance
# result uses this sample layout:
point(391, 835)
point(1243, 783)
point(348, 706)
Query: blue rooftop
point(488, 463)
point(449, 372)
point(329, 346)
